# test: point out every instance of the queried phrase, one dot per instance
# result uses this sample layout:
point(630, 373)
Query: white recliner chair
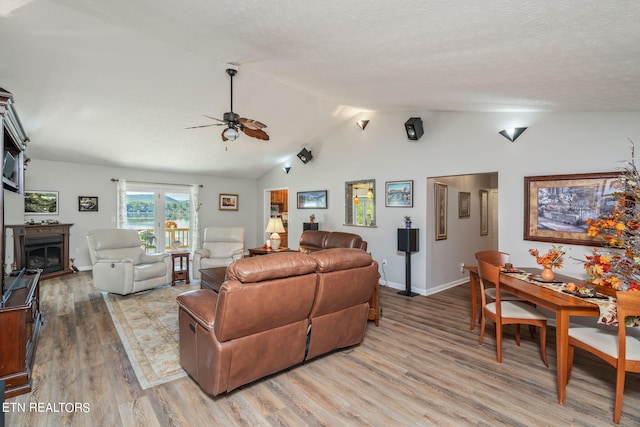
point(220, 247)
point(120, 264)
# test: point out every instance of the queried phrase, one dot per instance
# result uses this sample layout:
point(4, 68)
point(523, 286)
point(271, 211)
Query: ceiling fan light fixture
point(231, 134)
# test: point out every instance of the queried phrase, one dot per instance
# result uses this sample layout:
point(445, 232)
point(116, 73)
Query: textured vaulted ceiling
point(116, 82)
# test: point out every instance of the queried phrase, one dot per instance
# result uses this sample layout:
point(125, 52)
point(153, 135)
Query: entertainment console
point(20, 322)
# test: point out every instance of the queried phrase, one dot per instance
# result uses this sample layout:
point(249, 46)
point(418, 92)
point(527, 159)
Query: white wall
point(453, 144)
point(72, 180)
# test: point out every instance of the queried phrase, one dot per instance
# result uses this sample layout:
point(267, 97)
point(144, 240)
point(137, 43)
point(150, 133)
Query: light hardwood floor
point(422, 366)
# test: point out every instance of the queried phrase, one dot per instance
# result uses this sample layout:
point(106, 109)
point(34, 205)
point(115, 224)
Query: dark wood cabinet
point(20, 323)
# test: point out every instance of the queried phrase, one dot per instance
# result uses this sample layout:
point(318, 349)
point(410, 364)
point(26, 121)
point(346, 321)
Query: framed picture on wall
point(484, 212)
point(312, 199)
point(228, 202)
point(558, 206)
point(398, 194)
point(441, 210)
point(464, 204)
point(87, 204)
point(41, 202)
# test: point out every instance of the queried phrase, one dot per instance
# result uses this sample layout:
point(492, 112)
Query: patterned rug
point(147, 323)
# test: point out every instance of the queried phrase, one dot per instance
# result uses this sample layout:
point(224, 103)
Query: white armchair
point(220, 247)
point(120, 264)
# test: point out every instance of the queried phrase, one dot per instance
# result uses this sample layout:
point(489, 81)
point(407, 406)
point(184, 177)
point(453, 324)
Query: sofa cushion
point(338, 239)
point(149, 271)
point(312, 240)
point(133, 254)
point(340, 259)
point(269, 267)
point(223, 249)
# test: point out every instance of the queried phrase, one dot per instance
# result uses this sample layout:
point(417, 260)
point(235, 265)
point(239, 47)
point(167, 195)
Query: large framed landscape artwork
point(557, 207)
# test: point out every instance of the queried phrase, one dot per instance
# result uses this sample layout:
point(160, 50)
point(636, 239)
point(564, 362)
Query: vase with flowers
point(407, 221)
point(552, 259)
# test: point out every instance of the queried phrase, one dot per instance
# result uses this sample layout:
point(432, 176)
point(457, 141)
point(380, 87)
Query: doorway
point(278, 207)
point(161, 216)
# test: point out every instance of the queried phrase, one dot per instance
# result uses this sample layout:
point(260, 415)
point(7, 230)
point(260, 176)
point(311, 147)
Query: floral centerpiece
point(618, 264)
point(554, 258)
point(170, 224)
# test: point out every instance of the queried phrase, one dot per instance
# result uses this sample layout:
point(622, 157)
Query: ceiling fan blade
point(224, 138)
point(204, 126)
point(256, 133)
point(213, 118)
point(251, 124)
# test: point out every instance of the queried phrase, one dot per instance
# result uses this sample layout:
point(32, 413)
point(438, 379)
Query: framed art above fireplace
point(41, 202)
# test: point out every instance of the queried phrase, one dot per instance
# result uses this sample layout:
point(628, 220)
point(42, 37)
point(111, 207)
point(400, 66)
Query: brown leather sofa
point(274, 312)
point(314, 240)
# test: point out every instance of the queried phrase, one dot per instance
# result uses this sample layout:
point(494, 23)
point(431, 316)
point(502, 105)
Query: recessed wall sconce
point(512, 134)
point(414, 129)
point(305, 156)
point(286, 169)
point(362, 124)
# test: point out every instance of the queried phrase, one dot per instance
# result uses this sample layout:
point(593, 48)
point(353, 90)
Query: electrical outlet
point(462, 267)
point(384, 261)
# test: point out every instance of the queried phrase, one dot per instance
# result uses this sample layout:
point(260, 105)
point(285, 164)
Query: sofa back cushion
point(346, 277)
point(338, 239)
point(263, 293)
point(312, 240)
point(114, 244)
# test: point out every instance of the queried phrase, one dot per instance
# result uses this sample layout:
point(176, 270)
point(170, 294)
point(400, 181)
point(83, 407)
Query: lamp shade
point(275, 226)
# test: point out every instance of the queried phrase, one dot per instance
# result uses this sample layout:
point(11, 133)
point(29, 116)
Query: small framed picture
point(398, 194)
point(442, 210)
point(87, 204)
point(464, 204)
point(228, 202)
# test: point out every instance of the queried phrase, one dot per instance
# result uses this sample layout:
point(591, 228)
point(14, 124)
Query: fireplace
point(43, 246)
point(44, 253)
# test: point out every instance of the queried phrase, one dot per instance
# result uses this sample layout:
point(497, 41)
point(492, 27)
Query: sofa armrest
point(204, 253)
point(201, 305)
point(237, 254)
point(151, 258)
point(114, 275)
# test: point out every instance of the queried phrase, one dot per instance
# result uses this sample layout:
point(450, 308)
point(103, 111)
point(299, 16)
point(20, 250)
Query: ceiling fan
point(234, 122)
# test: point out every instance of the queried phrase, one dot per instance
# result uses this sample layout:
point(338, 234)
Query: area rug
point(147, 323)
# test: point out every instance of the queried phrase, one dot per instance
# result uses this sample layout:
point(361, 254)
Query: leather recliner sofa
point(274, 312)
point(314, 240)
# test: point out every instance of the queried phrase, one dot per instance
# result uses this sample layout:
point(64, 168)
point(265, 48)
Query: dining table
point(562, 304)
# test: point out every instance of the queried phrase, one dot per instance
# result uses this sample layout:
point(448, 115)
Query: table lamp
point(274, 227)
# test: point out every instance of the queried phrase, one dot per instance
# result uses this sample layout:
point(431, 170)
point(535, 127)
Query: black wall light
point(414, 129)
point(512, 134)
point(305, 156)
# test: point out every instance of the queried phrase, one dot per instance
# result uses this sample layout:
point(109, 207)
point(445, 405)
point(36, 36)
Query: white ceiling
point(116, 82)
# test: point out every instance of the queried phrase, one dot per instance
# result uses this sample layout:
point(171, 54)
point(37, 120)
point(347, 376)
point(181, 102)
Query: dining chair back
point(615, 347)
point(494, 257)
point(507, 312)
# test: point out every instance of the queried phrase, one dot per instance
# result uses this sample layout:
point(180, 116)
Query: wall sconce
point(512, 134)
point(414, 129)
point(305, 156)
point(286, 169)
point(362, 124)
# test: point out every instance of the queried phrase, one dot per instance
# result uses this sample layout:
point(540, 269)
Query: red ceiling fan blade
point(256, 133)
point(251, 124)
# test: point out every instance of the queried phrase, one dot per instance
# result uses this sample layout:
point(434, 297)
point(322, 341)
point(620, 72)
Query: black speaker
point(305, 156)
point(414, 129)
point(408, 240)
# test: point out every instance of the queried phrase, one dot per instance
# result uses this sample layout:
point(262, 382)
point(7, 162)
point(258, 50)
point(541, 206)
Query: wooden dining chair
point(498, 259)
point(507, 312)
point(613, 346)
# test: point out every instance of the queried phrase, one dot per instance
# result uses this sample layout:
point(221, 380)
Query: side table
point(266, 251)
point(180, 266)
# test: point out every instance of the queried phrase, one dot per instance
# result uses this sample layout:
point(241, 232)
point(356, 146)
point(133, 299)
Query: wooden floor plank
point(422, 366)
